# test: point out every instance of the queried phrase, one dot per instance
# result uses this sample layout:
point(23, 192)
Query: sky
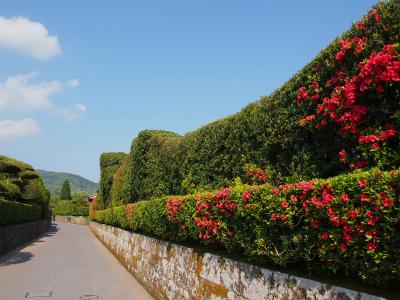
point(79, 78)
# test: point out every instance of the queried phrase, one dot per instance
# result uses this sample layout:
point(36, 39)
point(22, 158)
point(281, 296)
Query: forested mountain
point(54, 181)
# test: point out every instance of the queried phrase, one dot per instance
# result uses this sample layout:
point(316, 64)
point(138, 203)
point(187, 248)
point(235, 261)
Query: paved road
point(65, 264)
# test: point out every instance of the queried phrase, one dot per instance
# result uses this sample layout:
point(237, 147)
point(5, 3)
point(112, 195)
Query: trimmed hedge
point(19, 182)
point(154, 164)
point(109, 163)
point(274, 129)
point(349, 224)
point(15, 212)
point(71, 208)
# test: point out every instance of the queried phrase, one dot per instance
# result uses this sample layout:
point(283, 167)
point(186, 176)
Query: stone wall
point(14, 236)
point(170, 271)
point(80, 220)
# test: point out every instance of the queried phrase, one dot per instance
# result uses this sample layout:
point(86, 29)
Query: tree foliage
point(65, 193)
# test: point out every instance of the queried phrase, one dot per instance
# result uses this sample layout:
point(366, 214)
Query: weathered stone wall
point(15, 235)
point(80, 220)
point(170, 271)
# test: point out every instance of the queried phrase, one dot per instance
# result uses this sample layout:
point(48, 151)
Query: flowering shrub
point(360, 99)
point(348, 224)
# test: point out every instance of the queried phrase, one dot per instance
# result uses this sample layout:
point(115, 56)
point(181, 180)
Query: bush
point(121, 189)
point(325, 109)
point(154, 165)
point(15, 212)
point(109, 163)
point(19, 182)
point(71, 208)
point(346, 224)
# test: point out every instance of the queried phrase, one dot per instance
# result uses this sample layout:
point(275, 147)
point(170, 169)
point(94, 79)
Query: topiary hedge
point(109, 163)
point(349, 224)
point(71, 208)
point(19, 182)
point(15, 212)
point(154, 164)
point(340, 112)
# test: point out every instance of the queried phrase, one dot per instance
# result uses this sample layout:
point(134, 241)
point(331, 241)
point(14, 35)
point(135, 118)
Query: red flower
point(343, 246)
point(261, 176)
point(353, 214)
point(360, 25)
point(293, 198)
point(378, 18)
point(342, 156)
point(372, 246)
point(344, 198)
point(385, 200)
point(314, 224)
point(246, 195)
point(275, 191)
point(364, 197)
point(385, 135)
point(283, 217)
point(284, 205)
point(303, 95)
point(362, 182)
point(325, 236)
point(307, 119)
point(373, 12)
point(274, 217)
point(375, 146)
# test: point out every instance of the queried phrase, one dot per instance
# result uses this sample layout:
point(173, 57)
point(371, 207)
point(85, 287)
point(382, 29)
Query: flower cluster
point(344, 102)
point(256, 174)
point(210, 211)
point(173, 206)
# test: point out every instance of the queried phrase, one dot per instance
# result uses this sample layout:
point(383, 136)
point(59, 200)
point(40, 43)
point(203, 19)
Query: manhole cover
point(38, 294)
point(89, 297)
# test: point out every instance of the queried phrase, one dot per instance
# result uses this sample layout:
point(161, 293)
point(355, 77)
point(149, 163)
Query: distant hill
point(54, 181)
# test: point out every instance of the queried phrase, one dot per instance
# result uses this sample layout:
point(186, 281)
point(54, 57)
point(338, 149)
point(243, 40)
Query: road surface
point(66, 263)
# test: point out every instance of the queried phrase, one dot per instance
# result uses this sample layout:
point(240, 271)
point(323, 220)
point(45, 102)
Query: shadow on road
point(17, 256)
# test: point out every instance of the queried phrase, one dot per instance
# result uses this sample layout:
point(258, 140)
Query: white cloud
point(17, 94)
point(28, 37)
point(72, 113)
point(73, 83)
point(10, 129)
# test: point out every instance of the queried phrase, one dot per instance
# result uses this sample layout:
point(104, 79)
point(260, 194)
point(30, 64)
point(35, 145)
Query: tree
point(65, 191)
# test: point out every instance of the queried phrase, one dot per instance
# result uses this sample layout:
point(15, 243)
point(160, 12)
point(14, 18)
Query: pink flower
point(343, 247)
point(283, 217)
point(284, 205)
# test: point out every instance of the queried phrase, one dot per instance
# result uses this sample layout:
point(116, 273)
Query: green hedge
point(71, 208)
point(349, 224)
point(19, 182)
point(154, 164)
point(269, 129)
point(15, 212)
point(109, 163)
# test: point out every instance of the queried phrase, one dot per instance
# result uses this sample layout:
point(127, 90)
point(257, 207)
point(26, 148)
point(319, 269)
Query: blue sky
point(79, 78)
